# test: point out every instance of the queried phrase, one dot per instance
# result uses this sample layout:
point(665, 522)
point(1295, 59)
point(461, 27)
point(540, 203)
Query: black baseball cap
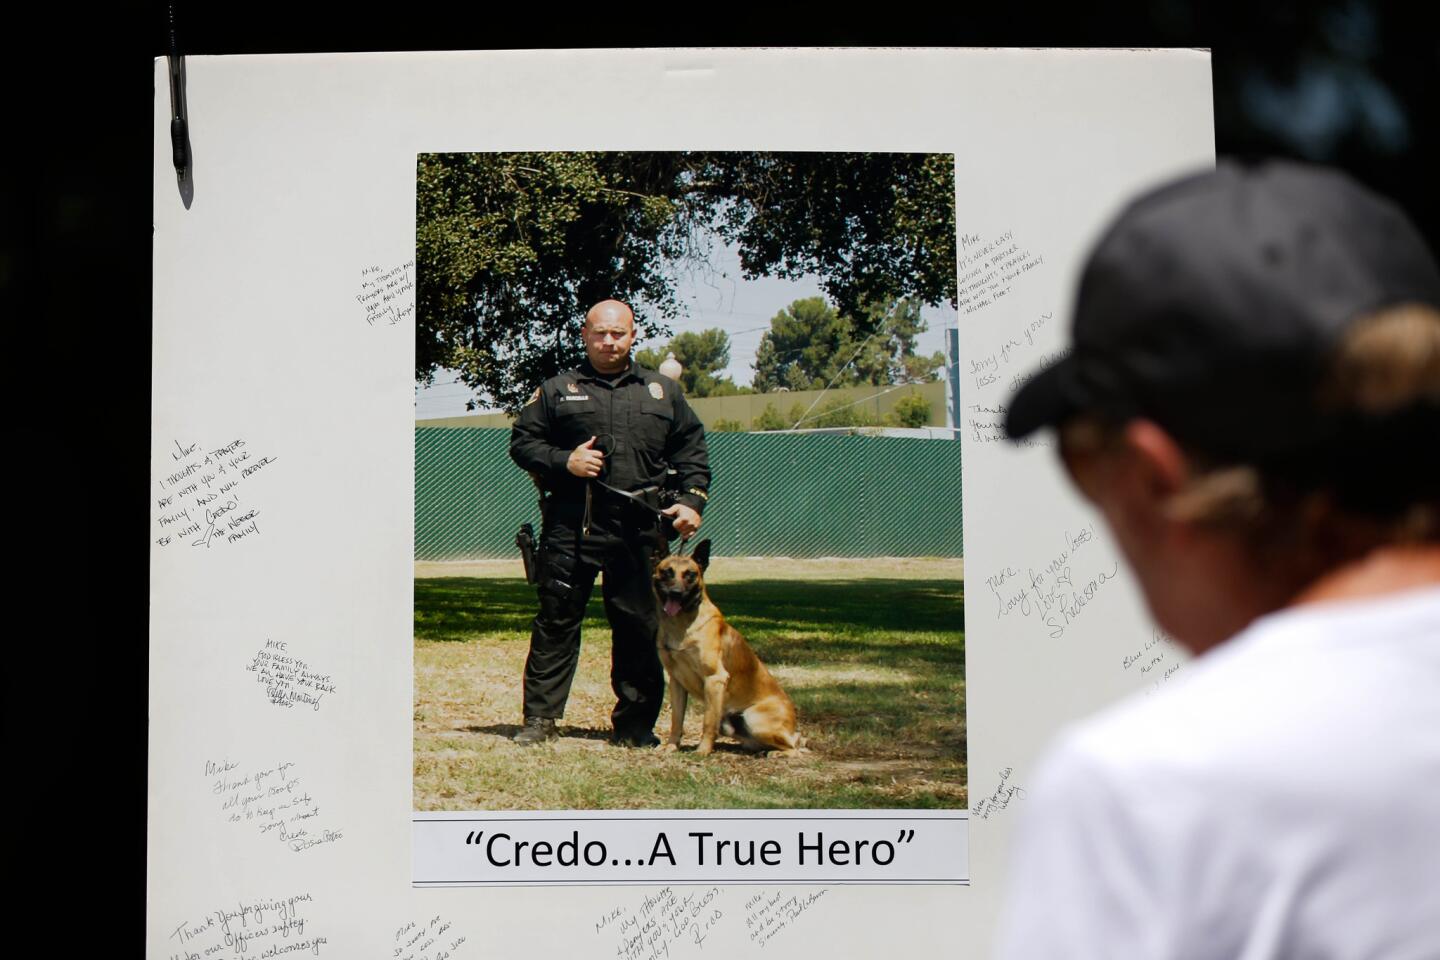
point(1212, 305)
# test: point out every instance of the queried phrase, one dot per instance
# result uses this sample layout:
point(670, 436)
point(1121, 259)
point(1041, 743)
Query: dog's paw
point(670, 748)
point(704, 749)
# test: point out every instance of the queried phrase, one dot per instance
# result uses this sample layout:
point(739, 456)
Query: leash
point(633, 497)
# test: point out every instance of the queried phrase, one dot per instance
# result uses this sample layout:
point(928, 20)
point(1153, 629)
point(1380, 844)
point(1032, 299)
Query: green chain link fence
point(772, 494)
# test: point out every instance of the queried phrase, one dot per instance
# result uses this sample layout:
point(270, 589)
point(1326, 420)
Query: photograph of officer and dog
point(687, 488)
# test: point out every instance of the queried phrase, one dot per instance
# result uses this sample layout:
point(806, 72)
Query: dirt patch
point(484, 569)
point(794, 675)
point(876, 671)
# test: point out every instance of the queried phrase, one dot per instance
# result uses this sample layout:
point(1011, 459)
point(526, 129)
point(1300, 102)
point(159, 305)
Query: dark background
point(1345, 82)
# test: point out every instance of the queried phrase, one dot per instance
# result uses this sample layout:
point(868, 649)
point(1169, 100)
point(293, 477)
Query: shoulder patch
point(657, 391)
point(533, 397)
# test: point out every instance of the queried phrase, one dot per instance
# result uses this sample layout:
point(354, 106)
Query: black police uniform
point(644, 426)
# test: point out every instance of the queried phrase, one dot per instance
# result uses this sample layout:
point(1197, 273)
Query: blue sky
point(719, 298)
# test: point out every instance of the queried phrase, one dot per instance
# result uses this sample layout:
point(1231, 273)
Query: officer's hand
point(685, 519)
point(585, 461)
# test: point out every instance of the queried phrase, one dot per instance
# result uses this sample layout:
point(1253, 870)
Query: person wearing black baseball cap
point(1252, 402)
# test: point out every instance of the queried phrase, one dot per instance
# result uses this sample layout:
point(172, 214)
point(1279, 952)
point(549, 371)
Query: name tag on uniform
point(586, 397)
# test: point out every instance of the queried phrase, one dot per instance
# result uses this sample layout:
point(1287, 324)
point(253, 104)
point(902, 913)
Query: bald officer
point(600, 440)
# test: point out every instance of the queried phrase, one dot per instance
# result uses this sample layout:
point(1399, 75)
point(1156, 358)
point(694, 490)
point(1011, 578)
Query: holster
point(535, 558)
point(525, 540)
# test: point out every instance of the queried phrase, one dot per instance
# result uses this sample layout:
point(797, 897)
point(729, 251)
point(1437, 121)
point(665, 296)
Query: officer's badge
point(533, 397)
point(572, 388)
point(657, 391)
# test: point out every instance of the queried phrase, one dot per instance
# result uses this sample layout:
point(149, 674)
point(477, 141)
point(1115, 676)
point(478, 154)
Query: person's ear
point(1133, 478)
point(1160, 467)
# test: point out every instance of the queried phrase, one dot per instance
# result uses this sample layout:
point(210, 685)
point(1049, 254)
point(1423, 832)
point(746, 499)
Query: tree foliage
point(834, 413)
point(872, 226)
point(770, 419)
point(512, 248)
point(812, 345)
point(701, 355)
point(912, 411)
point(840, 413)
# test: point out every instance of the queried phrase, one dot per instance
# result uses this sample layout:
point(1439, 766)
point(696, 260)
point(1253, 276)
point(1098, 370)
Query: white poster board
point(264, 362)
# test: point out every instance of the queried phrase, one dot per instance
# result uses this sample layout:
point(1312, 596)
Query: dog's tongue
point(672, 607)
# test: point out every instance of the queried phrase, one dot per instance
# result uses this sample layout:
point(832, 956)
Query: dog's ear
point(701, 554)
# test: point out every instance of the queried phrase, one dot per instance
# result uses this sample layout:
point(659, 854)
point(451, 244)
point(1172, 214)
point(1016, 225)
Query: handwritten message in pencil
point(1053, 590)
point(768, 915)
point(663, 924)
point(207, 494)
point(289, 679)
point(999, 799)
point(432, 940)
point(273, 800)
point(263, 927)
point(387, 296)
point(991, 267)
point(1154, 661)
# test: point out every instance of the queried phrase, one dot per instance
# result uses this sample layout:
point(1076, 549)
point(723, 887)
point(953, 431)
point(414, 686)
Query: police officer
point(590, 436)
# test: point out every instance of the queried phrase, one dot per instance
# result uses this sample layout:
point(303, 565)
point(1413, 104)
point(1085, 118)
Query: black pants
point(625, 547)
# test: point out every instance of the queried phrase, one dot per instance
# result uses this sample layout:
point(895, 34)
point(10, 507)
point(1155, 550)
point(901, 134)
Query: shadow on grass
point(924, 716)
point(462, 608)
point(507, 730)
point(847, 612)
point(865, 605)
point(876, 669)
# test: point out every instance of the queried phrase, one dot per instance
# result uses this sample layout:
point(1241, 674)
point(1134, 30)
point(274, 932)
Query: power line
point(825, 413)
point(864, 343)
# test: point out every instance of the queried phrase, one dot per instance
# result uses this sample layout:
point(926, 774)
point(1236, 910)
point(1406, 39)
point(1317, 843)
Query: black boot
point(536, 730)
point(635, 738)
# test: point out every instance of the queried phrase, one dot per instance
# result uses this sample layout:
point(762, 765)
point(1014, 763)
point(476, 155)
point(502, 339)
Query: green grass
point(875, 667)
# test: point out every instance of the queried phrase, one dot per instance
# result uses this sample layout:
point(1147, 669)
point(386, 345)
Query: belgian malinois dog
point(709, 659)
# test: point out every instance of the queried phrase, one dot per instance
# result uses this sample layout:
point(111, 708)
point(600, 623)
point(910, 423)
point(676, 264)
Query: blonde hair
point(1386, 363)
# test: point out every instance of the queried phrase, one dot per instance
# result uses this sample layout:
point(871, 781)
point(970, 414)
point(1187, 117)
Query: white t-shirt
point(1280, 797)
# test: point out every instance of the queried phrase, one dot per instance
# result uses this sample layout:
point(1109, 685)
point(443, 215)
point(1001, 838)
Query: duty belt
point(636, 497)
